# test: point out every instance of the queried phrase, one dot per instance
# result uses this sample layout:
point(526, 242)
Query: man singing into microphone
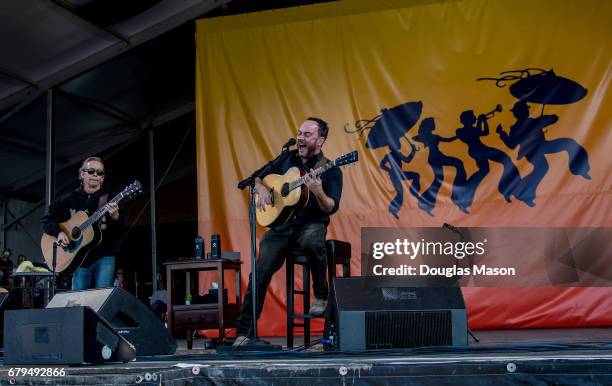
point(308, 228)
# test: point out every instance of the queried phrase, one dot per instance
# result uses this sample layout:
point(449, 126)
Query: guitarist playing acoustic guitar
point(306, 227)
point(98, 268)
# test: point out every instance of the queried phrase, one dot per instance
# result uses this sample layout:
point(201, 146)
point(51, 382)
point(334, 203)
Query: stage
point(502, 357)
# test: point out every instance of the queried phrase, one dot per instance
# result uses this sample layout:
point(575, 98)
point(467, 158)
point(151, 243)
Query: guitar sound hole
point(285, 190)
point(75, 233)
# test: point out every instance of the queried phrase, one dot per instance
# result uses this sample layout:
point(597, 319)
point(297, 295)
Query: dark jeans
point(274, 247)
point(159, 308)
point(100, 274)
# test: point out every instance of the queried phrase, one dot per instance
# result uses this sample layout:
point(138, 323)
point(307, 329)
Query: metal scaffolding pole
point(153, 207)
point(50, 150)
point(4, 205)
point(50, 171)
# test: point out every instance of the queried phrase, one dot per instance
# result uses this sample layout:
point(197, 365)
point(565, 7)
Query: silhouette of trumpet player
point(473, 129)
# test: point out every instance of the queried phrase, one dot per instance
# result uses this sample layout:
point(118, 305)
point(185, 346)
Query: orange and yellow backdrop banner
point(351, 62)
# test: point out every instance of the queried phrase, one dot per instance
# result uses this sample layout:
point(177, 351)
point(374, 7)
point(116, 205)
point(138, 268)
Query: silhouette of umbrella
point(547, 88)
point(393, 124)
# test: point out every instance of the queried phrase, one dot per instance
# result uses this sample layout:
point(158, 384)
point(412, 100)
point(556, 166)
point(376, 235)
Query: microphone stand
point(462, 239)
point(250, 182)
point(53, 270)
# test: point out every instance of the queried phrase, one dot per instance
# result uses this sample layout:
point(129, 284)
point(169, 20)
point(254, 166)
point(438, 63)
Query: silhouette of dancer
point(470, 134)
point(528, 134)
point(387, 129)
point(392, 164)
point(437, 160)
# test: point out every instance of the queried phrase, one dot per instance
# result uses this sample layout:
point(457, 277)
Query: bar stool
point(338, 253)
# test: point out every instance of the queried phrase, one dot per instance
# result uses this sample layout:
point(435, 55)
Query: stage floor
point(543, 356)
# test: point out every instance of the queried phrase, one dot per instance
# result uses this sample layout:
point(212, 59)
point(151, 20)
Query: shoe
point(426, 207)
point(463, 208)
point(394, 211)
point(529, 202)
point(241, 340)
point(318, 307)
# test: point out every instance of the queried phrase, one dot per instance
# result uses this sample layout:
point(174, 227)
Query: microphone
point(451, 228)
point(289, 143)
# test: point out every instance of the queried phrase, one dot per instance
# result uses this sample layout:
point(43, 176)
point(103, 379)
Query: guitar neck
point(313, 173)
point(100, 212)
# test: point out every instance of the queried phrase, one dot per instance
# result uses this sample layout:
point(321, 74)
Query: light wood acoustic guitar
point(288, 194)
point(84, 234)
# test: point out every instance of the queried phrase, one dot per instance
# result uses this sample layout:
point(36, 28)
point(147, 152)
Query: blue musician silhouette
point(528, 134)
point(387, 129)
point(545, 87)
point(474, 128)
point(392, 164)
point(437, 160)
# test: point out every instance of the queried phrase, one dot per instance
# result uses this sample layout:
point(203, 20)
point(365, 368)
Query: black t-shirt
point(6, 266)
point(67, 205)
point(331, 180)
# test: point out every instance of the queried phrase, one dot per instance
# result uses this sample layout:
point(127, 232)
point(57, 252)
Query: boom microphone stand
point(250, 182)
point(462, 239)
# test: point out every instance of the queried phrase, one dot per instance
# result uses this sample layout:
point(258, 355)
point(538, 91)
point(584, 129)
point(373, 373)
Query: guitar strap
point(319, 163)
point(101, 202)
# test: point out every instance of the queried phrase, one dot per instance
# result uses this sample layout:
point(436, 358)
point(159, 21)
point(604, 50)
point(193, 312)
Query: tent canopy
point(116, 68)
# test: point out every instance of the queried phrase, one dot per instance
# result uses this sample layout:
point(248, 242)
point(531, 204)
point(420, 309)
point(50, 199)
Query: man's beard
point(306, 151)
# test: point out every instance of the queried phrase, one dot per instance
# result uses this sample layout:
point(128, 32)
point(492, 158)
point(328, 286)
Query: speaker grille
point(406, 329)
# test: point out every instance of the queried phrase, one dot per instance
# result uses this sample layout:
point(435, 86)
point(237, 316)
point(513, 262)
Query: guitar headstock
point(347, 158)
point(133, 189)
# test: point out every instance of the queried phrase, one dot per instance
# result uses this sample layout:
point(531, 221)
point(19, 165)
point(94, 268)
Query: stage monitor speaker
point(372, 315)
point(74, 335)
point(128, 316)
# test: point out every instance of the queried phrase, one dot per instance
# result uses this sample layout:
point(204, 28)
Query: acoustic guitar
point(84, 234)
point(288, 195)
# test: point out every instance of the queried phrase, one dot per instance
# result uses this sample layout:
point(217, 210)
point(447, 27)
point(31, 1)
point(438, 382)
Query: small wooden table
point(203, 316)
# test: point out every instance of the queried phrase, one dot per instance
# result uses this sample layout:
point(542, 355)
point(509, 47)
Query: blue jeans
point(98, 275)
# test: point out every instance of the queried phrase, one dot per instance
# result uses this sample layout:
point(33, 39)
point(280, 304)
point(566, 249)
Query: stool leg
point(331, 268)
point(290, 306)
point(306, 287)
point(189, 339)
point(346, 269)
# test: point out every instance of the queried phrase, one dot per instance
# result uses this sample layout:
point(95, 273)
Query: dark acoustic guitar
point(84, 234)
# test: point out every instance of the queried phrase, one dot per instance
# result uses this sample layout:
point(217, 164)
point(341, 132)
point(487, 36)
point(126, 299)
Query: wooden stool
point(338, 253)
